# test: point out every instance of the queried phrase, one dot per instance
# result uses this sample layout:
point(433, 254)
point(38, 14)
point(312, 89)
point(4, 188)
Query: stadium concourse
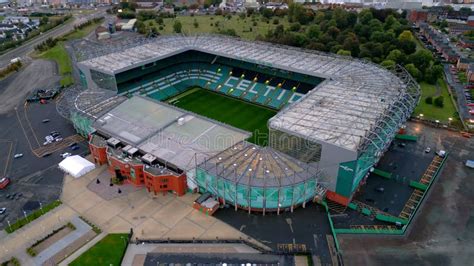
point(335, 117)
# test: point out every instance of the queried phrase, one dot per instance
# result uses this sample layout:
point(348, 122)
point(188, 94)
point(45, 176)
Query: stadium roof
point(343, 110)
point(256, 166)
point(172, 135)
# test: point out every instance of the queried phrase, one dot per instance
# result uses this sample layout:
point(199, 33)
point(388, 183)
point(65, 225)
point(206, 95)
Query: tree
point(344, 52)
point(313, 32)
point(397, 56)
point(295, 26)
point(414, 72)
point(439, 101)
point(177, 26)
point(406, 35)
point(159, 20)
point(196, 24)
point(434, 73)
point(388, 64)
point(44, 20)
point(407, 46)
point(267, 13)
point(429, 100)
point(421, 59)
point(365, 16)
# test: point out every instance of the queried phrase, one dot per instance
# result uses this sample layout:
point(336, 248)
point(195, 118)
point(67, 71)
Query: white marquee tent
point(76, 166)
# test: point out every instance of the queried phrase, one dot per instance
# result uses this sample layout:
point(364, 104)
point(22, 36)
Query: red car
point(4, 182)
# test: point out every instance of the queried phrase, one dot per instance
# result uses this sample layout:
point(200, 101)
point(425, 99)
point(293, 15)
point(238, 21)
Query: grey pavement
point(81, 229)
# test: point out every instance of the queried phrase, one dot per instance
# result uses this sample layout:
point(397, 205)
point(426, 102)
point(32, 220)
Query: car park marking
point(7, 163)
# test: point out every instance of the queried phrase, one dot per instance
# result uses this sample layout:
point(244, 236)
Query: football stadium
point(259, 126)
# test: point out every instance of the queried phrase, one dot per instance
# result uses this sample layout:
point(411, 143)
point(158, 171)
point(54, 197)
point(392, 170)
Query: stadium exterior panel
point(336, 115)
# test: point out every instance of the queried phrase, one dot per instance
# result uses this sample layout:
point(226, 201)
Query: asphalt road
point(29, 46)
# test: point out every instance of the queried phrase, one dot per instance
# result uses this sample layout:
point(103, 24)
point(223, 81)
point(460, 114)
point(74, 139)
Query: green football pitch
point(227, 110)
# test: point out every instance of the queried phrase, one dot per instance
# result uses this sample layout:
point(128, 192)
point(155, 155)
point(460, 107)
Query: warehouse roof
point(343, 110)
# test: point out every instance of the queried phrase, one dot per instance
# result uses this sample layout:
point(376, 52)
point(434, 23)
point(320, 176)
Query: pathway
point(81, 229)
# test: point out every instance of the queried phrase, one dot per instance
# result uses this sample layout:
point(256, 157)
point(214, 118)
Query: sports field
point(230, 111)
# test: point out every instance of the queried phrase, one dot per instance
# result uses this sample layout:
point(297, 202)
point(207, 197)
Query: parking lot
point(34, 179)
point(407, 162)
point(441, 232)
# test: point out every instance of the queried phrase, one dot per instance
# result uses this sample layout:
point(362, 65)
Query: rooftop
point(217, 259)
point(342, 110)
point(249, 164)
point(174, 136)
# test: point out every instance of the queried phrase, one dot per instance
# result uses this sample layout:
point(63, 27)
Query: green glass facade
point(244, 195)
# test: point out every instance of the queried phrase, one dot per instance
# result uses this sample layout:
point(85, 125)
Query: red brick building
point(124, 164)
point(417, 16)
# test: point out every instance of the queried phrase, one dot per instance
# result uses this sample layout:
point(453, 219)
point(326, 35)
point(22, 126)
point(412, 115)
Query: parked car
point(75, 148)
point(401, 144)
point(18, 155)
point(4, 181)
point(441, 153)
point(66, 154)
point(3, 210)
point(45, 120)
point(427, 150)
point(380, 189)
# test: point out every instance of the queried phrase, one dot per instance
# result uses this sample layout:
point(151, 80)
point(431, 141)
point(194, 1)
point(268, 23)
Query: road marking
point(24, 132)
point(8, 156)
point(29, 124)
point(315, 237)
point(289, 222)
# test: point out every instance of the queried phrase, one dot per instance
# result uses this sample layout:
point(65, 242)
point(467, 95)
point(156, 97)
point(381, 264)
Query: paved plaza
point(150, 217)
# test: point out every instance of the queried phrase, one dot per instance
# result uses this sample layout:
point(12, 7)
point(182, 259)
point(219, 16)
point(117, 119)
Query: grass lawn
point(231, 111)
point(430, 111)
point(77, 34)
point(107, 251)
point(59, 54)
point(241, 26)
point(32, 216)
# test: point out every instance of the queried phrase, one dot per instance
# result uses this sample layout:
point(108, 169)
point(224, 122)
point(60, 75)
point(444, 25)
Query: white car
point(18, 155)
point(66, 154)
point(2, 210)
point(427, 150)
point(58, 139)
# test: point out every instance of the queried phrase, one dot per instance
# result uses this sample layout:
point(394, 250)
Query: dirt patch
point(52, 239)
point(38, 74)
point(68, 250)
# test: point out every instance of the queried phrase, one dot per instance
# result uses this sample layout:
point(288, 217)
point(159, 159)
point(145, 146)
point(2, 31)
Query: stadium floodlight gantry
point(336, 114)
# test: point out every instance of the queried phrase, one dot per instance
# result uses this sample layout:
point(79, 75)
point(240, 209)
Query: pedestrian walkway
point(81, 229)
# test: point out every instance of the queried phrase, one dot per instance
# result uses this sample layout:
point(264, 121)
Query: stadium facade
point(336, 117)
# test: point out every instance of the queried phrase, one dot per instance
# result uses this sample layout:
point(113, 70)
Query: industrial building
point(336, 117)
